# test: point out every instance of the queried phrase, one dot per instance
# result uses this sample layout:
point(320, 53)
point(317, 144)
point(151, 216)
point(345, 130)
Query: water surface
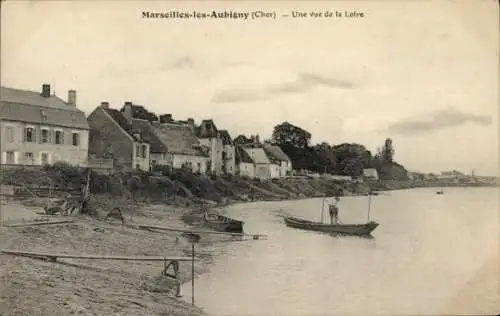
point(427, 249)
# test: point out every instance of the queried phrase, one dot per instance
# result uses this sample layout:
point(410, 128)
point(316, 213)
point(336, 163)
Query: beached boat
point(223, 223)
point(342, 229)
point(440, 192)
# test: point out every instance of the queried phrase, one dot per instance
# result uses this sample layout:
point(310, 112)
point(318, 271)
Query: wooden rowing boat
point(342, 229)
point(223, 223)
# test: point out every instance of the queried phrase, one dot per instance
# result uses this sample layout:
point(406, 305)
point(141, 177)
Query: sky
point(424, 73)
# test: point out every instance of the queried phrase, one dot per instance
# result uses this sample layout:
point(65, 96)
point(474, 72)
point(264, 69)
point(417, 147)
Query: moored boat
point(342, 229)
point(223, 223)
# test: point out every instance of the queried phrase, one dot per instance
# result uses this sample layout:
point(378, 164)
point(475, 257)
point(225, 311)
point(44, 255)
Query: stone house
point(38, 128)
point(244, 163)
point(183, 147)
point(229, 154)
point(114, 136)
point(209, 136)
point(260, 161)
point(281, 164)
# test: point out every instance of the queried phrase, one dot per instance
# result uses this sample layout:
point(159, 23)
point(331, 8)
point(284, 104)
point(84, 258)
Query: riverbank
point(31, 286)
point(96, 287)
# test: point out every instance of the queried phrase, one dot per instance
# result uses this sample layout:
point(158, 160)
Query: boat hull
point(341, 229)
point(224, 224)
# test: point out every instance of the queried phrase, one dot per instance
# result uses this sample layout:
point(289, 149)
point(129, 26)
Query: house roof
point(257, 155)
point(149, 135)
point(207, 129)
point(242, 156)
point(226, 138)
point(276, 152)
point(179, 139)
point(119, 118)
point(140, 112)
point(31, 107)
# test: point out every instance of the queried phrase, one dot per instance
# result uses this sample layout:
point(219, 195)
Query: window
point(199, 166)
point(29, 134)
point(45, 135)
point(138, 167)
point(44, 115)
point(44, 158)
point(9, 157)
point(59, 137)
point(10, 134)
point(137, 150)
point(28, 158)
point(76, 139)
point(144, 150)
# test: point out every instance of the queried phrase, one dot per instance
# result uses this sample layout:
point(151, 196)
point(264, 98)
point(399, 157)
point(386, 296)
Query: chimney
point(72, 97)
point(165, 118)
point(105, 105)
point(190, 123)
point(127, 111)
point(46, 90)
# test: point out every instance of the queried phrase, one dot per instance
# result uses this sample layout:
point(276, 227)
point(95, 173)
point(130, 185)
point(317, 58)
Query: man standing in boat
point(334, 211)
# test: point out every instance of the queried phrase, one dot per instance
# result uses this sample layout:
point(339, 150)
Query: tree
point(386, 153)
point(324, 157)
point(351, 159)
point(289, 134)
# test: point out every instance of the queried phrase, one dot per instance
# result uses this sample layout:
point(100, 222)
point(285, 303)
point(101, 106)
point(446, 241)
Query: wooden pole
point(192, 275)
point(322, 210)
point(369, 205)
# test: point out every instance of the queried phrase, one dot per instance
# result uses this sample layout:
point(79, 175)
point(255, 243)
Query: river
point(427, 253)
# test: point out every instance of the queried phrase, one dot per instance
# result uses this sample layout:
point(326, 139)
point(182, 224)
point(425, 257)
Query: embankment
point(31, 286)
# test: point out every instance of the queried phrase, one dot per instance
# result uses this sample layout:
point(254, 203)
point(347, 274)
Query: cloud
point(303, 83)
point(185, 62)
point(238, 95)
point(437, 120)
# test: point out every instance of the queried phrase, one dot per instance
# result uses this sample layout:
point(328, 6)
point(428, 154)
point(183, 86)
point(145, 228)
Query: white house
point(229, 154)
point(38, 128)
point(281, 164)
point(209, 136)
point(244, 164)
point(184, 148)
point(261, 163)
point(370, 174)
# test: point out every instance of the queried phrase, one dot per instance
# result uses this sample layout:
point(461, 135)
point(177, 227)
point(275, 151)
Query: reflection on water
point(425, 250)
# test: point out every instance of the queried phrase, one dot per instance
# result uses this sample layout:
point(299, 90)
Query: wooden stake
point(192, 276)
point(369, 205)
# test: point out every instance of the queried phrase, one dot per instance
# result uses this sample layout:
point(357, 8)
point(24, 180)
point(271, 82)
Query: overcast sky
point(424, 73)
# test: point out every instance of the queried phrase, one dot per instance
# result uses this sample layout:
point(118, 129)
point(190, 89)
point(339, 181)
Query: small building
point(209, 136)
point(279, 159)
point(261, 163)
point(40, 128)
point(370, 174)
point(113, 135)
point(183, 147)
point(229, 154)
point(244, 163)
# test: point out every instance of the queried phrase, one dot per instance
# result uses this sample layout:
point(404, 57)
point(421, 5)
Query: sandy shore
point(96, 287)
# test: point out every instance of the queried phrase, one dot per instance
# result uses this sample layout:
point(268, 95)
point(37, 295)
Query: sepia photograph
point(249, 158)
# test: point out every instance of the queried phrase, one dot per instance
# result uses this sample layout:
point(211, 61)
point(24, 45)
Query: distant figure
point(334, 211)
